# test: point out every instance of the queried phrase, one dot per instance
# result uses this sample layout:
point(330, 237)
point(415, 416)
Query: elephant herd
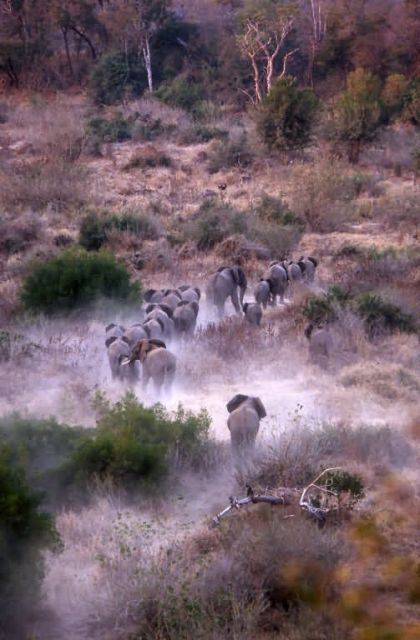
point(140, 350)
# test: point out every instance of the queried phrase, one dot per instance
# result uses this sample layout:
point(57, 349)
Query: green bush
point(181, 92)
point(133, 444)
point(381, 316)
point(93, 229)
point(202, 133)
point(115, 130)
point(224, 155)
point(116, 75)
point(74, 278)
point(285, 116)
point(214, 221)
point(275, 210)
point(25, 533)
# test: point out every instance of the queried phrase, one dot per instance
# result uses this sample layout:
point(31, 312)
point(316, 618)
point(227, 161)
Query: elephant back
point(236, 402)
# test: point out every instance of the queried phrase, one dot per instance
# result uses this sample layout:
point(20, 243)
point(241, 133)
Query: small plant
point(116, 75)
point(181, 92)
point(276, 210)
point(225, 155)
point(94, 230)
point(149, 157)
point(215, 221)
point(115, 130)
point(75, 278)
point(381, 316)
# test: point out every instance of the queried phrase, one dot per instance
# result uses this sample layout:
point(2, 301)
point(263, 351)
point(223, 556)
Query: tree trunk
point(68, 56)
point(148, 62)
point(87, 40)
point(256, 73)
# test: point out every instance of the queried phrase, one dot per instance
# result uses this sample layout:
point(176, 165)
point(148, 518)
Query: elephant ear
point(110, 326)
point(183, 303)
point(150, 307)
point(238, 276)
point(157, 343)
point(270, 284)
point(125, 339)
point(198, 292)
point(159, 321)
point(109, 341)
point(236, 402)
point(184, 287)
point(146, 328)
point(148, 295)
point(274, 262)
point(313, 260)
point(259, 407)
point(166, 309)
point(220, 269)
point(302, 266)
point(137, 324)
point(195, 307)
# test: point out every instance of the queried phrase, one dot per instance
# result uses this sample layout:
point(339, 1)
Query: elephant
point(278, 276)
point(244, 421)
point(118, 349)
point(153, 295)
point(135, 333)
point(227, 282)
point(154, 328)
point(308, 266)
point(320, 345)
point(159, 364)
point(114, 331)
point(185, 317)
point(294, 271)
point(190, 294)
point(253, 312)
point(263, 291)
point(172, 297)
point(163, 313)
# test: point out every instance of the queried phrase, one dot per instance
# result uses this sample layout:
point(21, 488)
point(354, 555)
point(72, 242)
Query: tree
point(357, 112)
point(285, 116)
point(264, 28)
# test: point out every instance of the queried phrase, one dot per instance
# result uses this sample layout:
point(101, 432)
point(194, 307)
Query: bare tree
point(318, 17)
point(265, 26)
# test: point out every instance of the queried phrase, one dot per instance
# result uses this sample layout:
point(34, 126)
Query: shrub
point(285, 116)
point(202, 133)
point(213, 222)
point(74, 278)
point(115, 130)
point(225, 155)
point(16, 236)
point(94, 230)
point(276, 210)
point(393, 94)
point(357, 113)
point(116, 75)
point(381, 316)
point(133, 444)
point(148, 157)
point(25, 533)
point(181, 92)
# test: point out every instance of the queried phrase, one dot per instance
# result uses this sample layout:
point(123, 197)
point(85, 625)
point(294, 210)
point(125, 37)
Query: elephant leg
point(235, 301)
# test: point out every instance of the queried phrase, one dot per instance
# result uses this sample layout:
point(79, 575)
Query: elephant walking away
point(227, 282)
point(159, 364)
point(320, 345)
point(278, 278)
point(253, 313)
point(244, 421)
point(263, 292)
point(135, 333)
point(185, 318)
point(118, 349)
point(308, 266)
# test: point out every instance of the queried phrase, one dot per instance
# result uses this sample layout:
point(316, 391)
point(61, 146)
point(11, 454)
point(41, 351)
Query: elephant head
point(143, 347)
point(149, 294)
point(184, 287)
point(112, 339)
point(159, 305)
point(239, 399)
point(313, 260)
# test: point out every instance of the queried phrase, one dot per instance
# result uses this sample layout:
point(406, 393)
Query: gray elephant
point(154, 328)
point(114, 331)
point(164, 313)
point(263, 292)
point(159, 364)
point(308, 266)
point(278, 276)
point(190, 294)
point(253, 312)
point(135, 333)
point(185, 318)
point(244, 421)
point(227, 282)
point(320, 345)
point(118, 349)
point(153, 295)
point(172, 298)
point(294, 271)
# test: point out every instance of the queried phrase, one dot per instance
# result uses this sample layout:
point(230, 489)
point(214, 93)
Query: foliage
point(74, 278)
point(117, 129)
point(181, 92)
point(285, 116)
point(148, 157)
point(276, 210)
point(94, 229)
point(393, 94)
point(116, 75)
point(133, 444)
point(381, 316)
point(224, 155)
point(215, 221)
point(25, 532)
point(343, 482)
point(357, 112)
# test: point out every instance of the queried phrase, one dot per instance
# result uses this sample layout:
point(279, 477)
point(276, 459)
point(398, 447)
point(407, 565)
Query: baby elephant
point(253, 312)
point(320, 345)
point(244, 421)
point(159, 364)
point(263, 292)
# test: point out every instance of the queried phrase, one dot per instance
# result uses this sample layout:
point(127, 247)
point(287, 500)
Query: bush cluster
point(117, 129)
point(225, 155)
point(116, 75)
point(183, 93)
point(74, 278)
point(94, 229)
